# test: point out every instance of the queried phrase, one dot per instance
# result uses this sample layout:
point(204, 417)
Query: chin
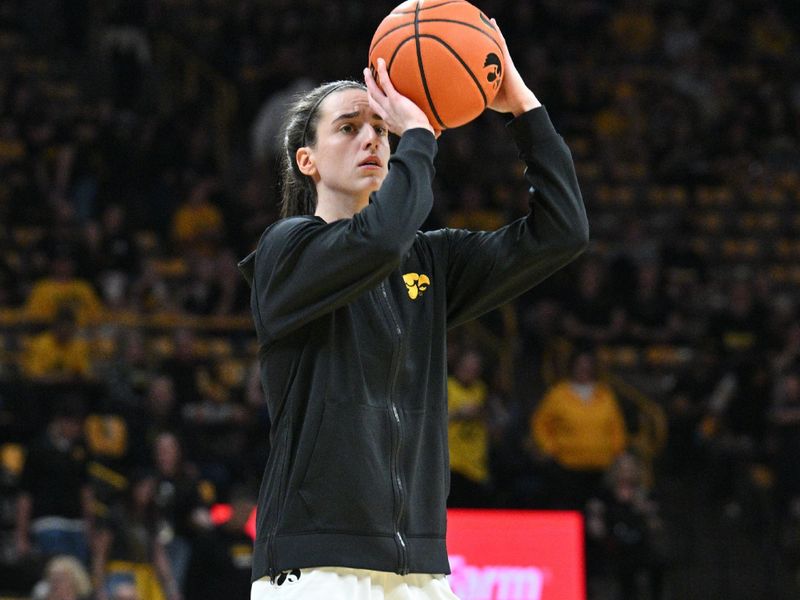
point(374, 186)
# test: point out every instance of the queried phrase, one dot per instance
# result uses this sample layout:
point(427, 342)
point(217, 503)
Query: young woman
point(351, 304)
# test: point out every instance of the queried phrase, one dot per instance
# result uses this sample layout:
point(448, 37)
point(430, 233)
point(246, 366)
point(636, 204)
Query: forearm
point(405, 198)
point(164, 570)
point(100, 543)
point(557, 213)
point(87, 506)
point(24, 510)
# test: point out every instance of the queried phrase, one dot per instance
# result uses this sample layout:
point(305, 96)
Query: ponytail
point(298, 192)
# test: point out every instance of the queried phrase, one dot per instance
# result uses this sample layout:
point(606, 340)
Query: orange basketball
point(443, 54)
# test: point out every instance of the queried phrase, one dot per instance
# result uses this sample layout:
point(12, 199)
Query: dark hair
point(298, 192)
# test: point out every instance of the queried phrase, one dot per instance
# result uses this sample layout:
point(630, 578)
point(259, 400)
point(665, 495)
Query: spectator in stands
point(590, 316)
point(127, 547)
point(625, 532)
point(198, 224)
point(60, 354)
point(129, 374)
point(738, 331)
point(184, 366)
point(54, 507)
point(690, 420)
point(151, 293)
point(468, 433)
point(784, 418)
point(181, 508)
point(216, 429)
point(126, 48)
point(651, 314)
point(162, 410)
point(787, 356)
point(202, 292)
point(63, 288)
point(116, 255)
point(235, 297)
point(17, 574)
point(580, 427)
point(223, 557)
point(65, 579)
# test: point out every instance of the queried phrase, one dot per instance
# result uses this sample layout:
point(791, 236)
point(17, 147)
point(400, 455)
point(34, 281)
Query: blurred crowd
point(668, 356)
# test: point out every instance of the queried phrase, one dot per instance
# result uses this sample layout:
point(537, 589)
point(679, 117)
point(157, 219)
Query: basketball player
point(351, 304)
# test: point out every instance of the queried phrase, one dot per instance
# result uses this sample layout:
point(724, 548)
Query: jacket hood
point(247, 266)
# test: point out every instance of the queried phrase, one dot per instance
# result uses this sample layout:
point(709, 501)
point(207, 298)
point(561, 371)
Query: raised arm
point(304, 267)
point(487, 269)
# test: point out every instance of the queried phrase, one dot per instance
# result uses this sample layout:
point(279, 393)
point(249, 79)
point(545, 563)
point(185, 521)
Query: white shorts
point(337, 583)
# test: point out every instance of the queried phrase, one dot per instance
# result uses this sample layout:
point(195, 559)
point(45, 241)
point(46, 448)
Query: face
point(583, 369)
point(469, 367)
point(350, 157)
point(126, 592)
point(144, 491)
point(62, 586)
point(161, 396)
point(167, 453)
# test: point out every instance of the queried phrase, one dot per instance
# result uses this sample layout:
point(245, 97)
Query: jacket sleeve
point(304, 267)
point(486, 269)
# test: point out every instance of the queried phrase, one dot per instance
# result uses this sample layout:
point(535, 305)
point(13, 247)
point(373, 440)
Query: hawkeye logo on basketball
point(495, 74)
point(416, 284)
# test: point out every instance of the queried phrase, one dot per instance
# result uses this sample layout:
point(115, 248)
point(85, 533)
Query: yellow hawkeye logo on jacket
point(416, 284)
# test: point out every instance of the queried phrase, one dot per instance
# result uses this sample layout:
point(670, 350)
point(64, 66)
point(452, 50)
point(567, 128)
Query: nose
point(371, 138)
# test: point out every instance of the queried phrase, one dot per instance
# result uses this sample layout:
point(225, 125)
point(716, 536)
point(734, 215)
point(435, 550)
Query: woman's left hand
point(513, 96)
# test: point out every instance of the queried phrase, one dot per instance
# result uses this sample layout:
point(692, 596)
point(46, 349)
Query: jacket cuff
point(532, 128)
point(419, 138)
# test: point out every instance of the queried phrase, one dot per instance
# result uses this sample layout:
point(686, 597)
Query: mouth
point(373, 162)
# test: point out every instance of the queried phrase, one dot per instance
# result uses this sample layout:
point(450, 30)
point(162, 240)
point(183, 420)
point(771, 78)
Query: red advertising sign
point(516, 555)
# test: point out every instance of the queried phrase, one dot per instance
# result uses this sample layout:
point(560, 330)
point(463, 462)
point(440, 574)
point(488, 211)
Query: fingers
point(375, 95)
point(497, 28)
point(500, 34)
point(373, 88)
point(397, 111)
point(383, 77)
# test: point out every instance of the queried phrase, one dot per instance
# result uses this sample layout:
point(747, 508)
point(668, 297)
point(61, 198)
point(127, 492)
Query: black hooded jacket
point(351, 318)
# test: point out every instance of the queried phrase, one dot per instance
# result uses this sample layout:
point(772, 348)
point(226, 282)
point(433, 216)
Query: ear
point(305, 161)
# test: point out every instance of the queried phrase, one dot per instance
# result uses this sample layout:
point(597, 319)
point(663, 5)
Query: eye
point(347, 128)
point(381, 130)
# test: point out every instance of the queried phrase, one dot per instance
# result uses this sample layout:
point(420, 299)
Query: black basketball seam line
point(463, 64)
point(417, 9)
point(484, 32)
point(396, 50)
point(422, 68)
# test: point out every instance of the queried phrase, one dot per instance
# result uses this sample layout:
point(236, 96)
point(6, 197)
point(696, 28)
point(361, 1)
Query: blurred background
point(653, 385)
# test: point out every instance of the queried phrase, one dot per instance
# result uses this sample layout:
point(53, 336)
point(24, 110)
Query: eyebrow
point(353, 115)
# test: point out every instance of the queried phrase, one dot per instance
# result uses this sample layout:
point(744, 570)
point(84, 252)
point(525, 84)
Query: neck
point(332, 206)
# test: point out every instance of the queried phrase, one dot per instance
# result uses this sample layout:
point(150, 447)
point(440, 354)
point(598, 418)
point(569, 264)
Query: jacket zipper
point(398, 535)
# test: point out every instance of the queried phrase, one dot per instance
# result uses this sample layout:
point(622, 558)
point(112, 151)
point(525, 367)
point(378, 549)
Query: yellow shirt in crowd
point(580, 434)
point(45, 357)
point(194, 223)
point(48, 295)
point(468, 439)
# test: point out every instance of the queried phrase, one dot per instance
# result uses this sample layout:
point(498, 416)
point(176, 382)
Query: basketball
point(445, 55)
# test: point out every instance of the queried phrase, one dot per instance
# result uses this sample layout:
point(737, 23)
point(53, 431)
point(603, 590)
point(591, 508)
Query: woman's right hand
point(398, 112)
